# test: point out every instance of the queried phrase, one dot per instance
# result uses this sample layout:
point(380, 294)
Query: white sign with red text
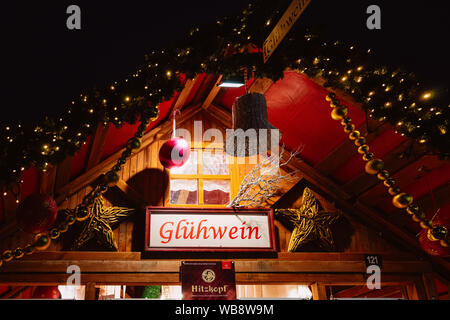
point(192, 229)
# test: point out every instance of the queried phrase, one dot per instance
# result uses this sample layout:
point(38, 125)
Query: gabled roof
point(297, 106)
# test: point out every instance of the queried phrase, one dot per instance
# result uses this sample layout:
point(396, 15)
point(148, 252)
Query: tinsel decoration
point(435, 231)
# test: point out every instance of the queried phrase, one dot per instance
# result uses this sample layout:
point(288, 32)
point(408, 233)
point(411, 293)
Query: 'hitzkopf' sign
point(208, 280)
point(283, 27)
point(209, 230)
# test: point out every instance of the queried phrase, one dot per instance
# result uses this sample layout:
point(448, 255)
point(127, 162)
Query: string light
point(426, 95)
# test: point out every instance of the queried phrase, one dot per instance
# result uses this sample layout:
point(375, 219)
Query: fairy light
point(426, 95)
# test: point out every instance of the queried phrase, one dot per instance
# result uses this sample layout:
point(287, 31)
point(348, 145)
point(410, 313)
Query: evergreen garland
point(225, 47)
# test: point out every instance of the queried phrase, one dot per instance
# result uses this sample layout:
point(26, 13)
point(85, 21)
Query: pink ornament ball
point(174, 153)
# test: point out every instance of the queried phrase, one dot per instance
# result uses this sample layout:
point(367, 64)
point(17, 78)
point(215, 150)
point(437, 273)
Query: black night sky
point(44, 65)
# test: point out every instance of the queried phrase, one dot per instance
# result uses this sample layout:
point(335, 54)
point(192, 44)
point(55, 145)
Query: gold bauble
point(349, 128)
point(368, 156)
point(412, 209)
point(389, 183)
point(82, 214)
point(29, 250)
point(363, 149)
point(424, 226)
point(442, 242)
point(360, 141)
point(354, 135)
point(330, 97)
point(20, 255)
point(430, 235)
point(339, 113)
point(9, 254)
point(383, 175)
point(393, 191)
point(402, 200)
point(42, 241)
point(374, 166)
point(334, 104)
point(63, 228)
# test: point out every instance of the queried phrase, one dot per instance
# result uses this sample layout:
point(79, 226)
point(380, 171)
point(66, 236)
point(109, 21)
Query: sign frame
point(268, 212)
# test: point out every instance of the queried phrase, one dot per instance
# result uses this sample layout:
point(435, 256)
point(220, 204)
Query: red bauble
point(434, 248)
point(174, 153)
point(37, 213)
point(46, 293)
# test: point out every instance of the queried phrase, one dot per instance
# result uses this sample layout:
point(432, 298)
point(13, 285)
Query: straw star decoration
point(311, 223)
point(100, 225)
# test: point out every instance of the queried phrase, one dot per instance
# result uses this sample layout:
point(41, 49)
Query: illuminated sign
point(198, 229)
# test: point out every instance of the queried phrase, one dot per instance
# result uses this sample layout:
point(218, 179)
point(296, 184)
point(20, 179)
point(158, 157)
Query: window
point(204, 180)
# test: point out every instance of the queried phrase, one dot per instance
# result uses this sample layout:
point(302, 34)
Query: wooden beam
point(403, 178)
point(213, 93)
point(281, 256)
point(319, 291)
point(394, 162)
point(97, 145)
point(347, 149)
point(384, 292)
point(325, 184)
point(13, 292)
point(47, 181)
point(160, 278)
point(426, 203)
point(63, 172)
point(242, 266)
point(352, 292)
point(90, 292)
point(430, 286)
point(261, 85)
point(84, 255)
point(221, 115)
point(206, 86)
point(185, 93)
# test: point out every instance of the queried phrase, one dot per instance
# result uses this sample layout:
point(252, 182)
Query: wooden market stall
point(362, 219)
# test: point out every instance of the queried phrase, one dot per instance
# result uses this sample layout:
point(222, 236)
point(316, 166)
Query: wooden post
point(90, 291)
point(416, 290)
point(319, 291)
point(430, 286)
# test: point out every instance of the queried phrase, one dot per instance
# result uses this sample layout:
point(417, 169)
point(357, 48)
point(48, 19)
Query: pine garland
point(225, 47)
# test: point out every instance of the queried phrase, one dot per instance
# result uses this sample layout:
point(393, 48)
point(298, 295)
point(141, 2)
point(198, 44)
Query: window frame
point(200, 177)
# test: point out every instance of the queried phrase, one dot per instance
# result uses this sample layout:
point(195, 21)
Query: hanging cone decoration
point(249, 112)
